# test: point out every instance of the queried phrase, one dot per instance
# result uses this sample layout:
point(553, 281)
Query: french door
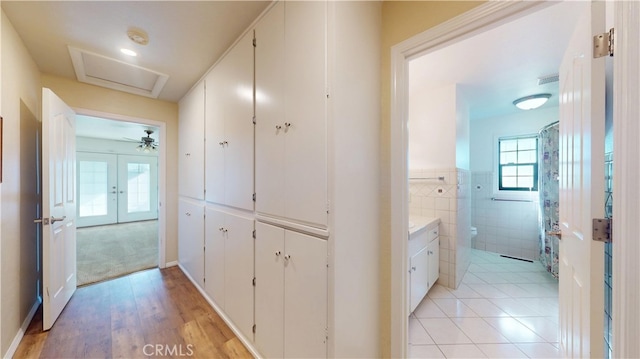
point(116, 188)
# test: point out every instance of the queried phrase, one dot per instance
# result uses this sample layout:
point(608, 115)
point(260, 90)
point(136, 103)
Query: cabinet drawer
point(433, 233)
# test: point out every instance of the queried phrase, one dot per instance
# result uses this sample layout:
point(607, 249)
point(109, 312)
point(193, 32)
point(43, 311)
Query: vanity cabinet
point(191, 144)
point(291, 112)
point(291, 293)
point(424, 261)
point(228, 267)
point(229, 128)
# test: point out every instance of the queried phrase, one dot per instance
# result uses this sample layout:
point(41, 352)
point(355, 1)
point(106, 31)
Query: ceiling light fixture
point(128, 52)
point(138, 36)
point(532, 102)
point(147, 144)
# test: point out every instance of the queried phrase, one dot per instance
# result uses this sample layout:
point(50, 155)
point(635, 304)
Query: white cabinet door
point(191, 144)
point(305, 122)
point(269, 290)
point(291, 112)
point(191, 239)
point(214, 134)
point(230, 129)
point(239, 127)
point(270, 108)
point(305, 296)
point(214, 255)
point(238, 272)
point(291, 293)
point(419, 269)
point(434, 261)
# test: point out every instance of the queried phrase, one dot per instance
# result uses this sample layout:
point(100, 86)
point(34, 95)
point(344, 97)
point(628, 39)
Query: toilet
point(474, 233)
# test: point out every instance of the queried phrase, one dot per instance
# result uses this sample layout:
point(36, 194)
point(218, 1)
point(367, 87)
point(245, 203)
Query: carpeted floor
point(105, 252)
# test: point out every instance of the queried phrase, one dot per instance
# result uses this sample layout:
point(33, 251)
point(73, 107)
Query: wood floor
point(154, 313)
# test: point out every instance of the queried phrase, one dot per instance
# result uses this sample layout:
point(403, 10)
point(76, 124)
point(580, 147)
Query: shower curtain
point(548, 191)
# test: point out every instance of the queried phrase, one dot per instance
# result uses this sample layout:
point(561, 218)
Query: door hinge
point(254, 197)
point(602, 230)
point(48, 292)
point(253, 329)
point(253, 282)
point(254, 234)
point(255, 43)
point(254, 120)
point(204, 280)
point(603, 44)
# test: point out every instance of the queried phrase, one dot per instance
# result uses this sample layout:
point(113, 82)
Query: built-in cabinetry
point(424, 258)
point(229, 128)
point(291, 112)
point(228, 263)
point(191, 144)
point(271, 135)
point(291, 293)
point(191, 234)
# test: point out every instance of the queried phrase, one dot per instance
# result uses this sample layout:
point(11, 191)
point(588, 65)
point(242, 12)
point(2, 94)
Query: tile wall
point(450, 201)
point(504, 227)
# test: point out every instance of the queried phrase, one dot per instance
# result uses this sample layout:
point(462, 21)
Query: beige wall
point(400, 21)
point(19, 275)
point(89, 97)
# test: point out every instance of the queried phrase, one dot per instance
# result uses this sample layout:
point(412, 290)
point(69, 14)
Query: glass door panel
point(97, 185)
point(138, 188)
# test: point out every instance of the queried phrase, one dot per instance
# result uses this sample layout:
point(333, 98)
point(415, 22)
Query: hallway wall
point(21, 97)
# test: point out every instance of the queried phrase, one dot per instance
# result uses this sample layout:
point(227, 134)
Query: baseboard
point(247, 343)
point(171, 264)
point(25, 325)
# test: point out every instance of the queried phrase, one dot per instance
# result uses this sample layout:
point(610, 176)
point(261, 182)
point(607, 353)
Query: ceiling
point(497, 66)
point(185, 37)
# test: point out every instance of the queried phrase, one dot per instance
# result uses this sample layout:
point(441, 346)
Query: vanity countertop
point(417, 223)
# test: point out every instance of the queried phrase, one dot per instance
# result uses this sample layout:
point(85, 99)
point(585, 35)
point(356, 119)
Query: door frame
point(626, 173)
point(481, 18)
point(162, 171)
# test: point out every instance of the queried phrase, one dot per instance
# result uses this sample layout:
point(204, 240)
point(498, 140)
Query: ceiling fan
point(146, 143)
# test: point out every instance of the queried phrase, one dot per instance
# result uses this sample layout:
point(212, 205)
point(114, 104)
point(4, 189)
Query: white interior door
point(582, 118)
point(137, 188)
point(97, 189)
point(59, 206)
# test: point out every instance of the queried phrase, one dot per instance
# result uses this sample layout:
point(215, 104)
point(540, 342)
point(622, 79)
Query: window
point(518, 166)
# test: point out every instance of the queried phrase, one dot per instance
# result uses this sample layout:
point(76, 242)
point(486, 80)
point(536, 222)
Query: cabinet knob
point(187, 154)
point(220, 229)
point(225, 142)
point(221, 143)
point(413, 269)
point(287, 124)
point(278, 127)
point(287, 257)
point(278, 253)
point(188, 214)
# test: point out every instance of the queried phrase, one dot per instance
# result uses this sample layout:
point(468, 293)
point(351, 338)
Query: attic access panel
point(118, 75)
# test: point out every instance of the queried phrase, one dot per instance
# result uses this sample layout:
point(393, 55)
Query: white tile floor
point(504, 308)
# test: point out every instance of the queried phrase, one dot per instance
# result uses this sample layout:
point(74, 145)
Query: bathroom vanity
point(424, 257)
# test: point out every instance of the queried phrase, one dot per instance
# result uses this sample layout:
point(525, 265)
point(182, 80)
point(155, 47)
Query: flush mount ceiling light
point(138, 36)
point(531, 102)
